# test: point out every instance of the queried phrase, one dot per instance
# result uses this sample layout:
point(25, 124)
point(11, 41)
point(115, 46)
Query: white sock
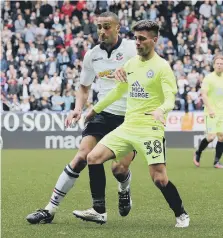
point(125, 185)
point(64, 184)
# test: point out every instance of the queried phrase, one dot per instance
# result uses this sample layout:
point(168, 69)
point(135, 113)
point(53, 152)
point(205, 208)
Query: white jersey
point(98, 63)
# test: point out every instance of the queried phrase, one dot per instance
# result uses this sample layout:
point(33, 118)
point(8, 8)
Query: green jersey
point(151, 85)
point(213, 84)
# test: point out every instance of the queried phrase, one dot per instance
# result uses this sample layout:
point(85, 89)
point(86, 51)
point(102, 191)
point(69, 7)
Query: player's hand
point(119, 75)
point(91, 113)
point(211, 113)
point(72, 117)
point(158, 115)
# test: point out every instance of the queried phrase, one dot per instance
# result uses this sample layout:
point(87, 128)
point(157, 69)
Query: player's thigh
point(100, 154)
point(117, 141)
point(96, 127)
point(152, 148)
point(86, 146)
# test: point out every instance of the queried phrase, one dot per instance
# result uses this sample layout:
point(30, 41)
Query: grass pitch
point(29, 176)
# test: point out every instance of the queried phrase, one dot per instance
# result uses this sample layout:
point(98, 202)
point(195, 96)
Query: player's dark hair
point(110, 14)
point(146, 25)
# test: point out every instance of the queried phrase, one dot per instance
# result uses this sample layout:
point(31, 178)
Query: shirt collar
point(102, 46)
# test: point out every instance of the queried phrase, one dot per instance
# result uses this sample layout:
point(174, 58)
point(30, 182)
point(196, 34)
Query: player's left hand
point(91, 113)
point(158, 115)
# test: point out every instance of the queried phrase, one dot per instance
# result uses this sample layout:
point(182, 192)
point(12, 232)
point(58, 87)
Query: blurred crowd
point(43, 44)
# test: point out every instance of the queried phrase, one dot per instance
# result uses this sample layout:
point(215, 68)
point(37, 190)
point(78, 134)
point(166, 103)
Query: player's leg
point(218, 151)
point(95, 159)
point(211, 134)
point(111, 146)
point(121, 169)
point(159, 176)
point(122, 173)
point(65, 182)
point(153, 150)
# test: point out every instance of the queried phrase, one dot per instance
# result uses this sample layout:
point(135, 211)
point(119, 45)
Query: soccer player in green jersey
point(212, 94)
point(151, 89)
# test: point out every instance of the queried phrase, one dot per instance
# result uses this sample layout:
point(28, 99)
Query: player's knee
point(119, 170)
point(211, 137)
point(160, 180)
point(93, 158)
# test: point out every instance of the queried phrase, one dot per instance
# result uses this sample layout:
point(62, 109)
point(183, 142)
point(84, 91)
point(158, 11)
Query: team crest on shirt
point(119, 56)
point(150, 74)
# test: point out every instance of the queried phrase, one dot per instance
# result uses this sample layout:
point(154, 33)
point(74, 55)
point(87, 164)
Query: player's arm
point(86, 79)
point(114, 95)
point(204, 93)
point(81, 97)
point(169, 88)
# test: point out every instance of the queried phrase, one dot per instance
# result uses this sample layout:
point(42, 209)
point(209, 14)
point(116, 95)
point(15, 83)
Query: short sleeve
point(87, 73)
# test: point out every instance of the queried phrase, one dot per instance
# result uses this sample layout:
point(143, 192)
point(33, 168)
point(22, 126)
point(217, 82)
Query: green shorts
point(214, 125)
point(150, 146)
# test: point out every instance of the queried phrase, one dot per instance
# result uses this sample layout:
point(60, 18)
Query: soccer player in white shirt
point(99, 62)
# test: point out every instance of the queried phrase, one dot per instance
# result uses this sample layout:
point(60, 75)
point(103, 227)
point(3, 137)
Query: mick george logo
point(138, 91)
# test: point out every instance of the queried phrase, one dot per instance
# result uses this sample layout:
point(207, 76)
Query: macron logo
point(138, 91)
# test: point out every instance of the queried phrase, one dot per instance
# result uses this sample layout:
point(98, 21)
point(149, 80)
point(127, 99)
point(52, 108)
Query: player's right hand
point(72, 117)
point(158, 115)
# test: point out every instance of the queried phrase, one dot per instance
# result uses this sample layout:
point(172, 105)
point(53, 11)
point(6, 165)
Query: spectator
point(24, 88)
point(20, 24)
point(205, 9)
point(51, 63)
point(33, 103)
point(216, 40)
point(55, 82)
point(57, 101)
point(44, 103)
point(15, 105)
point(193, 78)
point(4, 85)
point(68, 99)
point(67, 9)
point(40, 68)
point(29, 33)
point(3, 63)
point(21, 51)
point(35, 89)
point(25, 105)
point(46, 87)
point(40, 34)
